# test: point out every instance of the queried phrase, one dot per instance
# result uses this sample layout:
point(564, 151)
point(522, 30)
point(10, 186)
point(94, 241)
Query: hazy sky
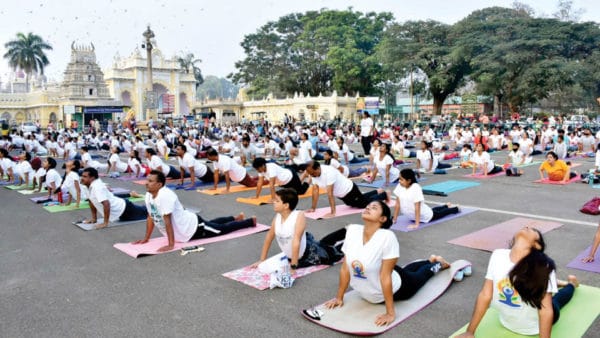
point(212, 30)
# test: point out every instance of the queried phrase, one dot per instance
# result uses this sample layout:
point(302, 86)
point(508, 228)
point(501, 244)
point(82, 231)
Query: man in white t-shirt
point(366, 132)
point(274, 174)
point(232, 171)
point(166, 213)
point(337, 185)
point(192, 168)
point(110, 207)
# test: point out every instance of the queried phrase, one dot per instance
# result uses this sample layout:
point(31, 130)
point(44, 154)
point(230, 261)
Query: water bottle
point(591, 177)
point(286, 277)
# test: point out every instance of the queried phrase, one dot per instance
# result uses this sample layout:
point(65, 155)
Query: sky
point(211, 30)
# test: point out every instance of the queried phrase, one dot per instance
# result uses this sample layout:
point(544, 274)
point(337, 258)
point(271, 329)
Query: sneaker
point(468, 271)
point(459, 276)
point(435, 268)
point(313, 313)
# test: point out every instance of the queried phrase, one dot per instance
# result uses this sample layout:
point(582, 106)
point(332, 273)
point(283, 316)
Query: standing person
point(411, 201)
point(275, 174)
point(337, 185)
point(166, 213)
point(520, 283)
point(371, 252)
point(110, 207)
point(366, 132)
point(225, 165)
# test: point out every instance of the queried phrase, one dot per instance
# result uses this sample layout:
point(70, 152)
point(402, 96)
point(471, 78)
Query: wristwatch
point(294, 266)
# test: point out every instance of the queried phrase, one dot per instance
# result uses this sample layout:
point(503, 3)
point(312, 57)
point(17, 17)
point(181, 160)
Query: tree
point(429, 47)
point(214, 87)
point(187, 64)
point(26, 52)
point(566, 11)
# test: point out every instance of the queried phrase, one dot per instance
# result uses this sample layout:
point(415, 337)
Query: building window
point(91, 91)
point(90, 77)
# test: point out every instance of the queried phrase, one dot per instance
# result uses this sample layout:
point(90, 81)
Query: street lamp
point(149, 95)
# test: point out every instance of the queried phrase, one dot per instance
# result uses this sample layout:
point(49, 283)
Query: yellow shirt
point(557, 171)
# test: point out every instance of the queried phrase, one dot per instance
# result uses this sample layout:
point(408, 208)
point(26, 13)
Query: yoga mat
point(451, 186)
point(264, 199)
point(497, 236)
point(197, 185)
point(5, 183)
point(528, 164)
point(31, 192)
point(579, 265)
point(547, 181)
point(340, 210)
point(41, 198)
point(82, 206)
point(403, 222)
point(150, 248)
point(127, 178)
point(357, 316)
point(483, 177)
point(221, 190)
point(143, 181)
point(376, 184)
point(575, 318)
point(256, 279)
point(92, 226)
point(434, 193)
point(17, 187)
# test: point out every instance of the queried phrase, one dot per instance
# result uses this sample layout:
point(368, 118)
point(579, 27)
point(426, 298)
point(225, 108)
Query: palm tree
point(26, 52)
point(188, 63)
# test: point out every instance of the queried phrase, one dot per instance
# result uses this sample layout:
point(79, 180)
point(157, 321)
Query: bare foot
point(440, 259)
point(573, 280)
point(240, 216)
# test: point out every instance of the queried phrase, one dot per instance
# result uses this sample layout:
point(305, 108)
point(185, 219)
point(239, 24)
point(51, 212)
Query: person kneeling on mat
point(180, 225)
point(110, 207)
point(369, 267)
point(519, 283)
point(300, 247)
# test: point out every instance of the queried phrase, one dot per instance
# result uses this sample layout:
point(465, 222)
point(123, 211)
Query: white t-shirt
point(364, 261)
point(227, 164)
point(119, 165)
point(345, 150)
point(408, 198)
point(329, 175)
point(337, 165)
point(424, 156)
point(514, 314)
point(98, 193)
point(69, 186)
point(156, 163)
point(482, 159)
point(366, 127)
point(133, 163)
point(382, 165)
point(188, 161)
point(24, 167)
point(284, 233)
point(185, 223)
point(52, 176)
point(283, 176)
point(162, 148)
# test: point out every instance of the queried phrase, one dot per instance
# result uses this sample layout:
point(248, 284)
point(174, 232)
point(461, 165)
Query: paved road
point(59, 281)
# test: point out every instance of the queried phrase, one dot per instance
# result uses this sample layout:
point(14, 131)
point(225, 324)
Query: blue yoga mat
point(198, 184)
point(379, 183)
point(450, 186)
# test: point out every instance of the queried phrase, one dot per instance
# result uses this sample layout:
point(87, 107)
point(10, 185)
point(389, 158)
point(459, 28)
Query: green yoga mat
point(18, 187)
point(575, 318)
point(82, 206)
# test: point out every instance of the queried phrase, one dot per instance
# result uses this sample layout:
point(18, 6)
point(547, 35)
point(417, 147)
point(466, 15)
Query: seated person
point(516, 158)
point(110, 207)
point(326, 177)
point(375, 247)
point(300, 247)
point(520, 283)
point(177, 224)
point(225, 165)
point(557, 170)
point(384, 165)
point(483, 162)
point(286, 178)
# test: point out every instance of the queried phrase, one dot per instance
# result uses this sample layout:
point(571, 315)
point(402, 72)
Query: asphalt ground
point(59, 281)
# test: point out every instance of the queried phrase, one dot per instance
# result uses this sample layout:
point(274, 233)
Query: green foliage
point(214, 88)
point(188, 63)
point(26, 52)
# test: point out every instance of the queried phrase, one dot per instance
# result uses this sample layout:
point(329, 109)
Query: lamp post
point(149, 97)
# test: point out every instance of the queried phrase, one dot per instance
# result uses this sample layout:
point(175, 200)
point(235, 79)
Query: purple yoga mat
point(497, 236)
point(42, 198)
point(403, 222)
point(579, 265)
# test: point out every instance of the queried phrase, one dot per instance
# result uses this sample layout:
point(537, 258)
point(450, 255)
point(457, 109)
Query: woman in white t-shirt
point(519, 284)
point(299, 246)
point(115, 165)
point(155, 163)
point(135, 165)
point(330, 160)
point(411, 202)
point(72, 185)
point(53, 179)
point(369, 267)
point(426, 161)
point(483, 162)
point(384, 165)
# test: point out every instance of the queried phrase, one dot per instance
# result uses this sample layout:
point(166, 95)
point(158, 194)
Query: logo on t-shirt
point(507, 293)
point(358, 269)
point(156, 217)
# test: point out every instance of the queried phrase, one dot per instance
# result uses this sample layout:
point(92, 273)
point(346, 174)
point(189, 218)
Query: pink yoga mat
point(547, 181)
point(579, 265)
point(403, 222)
point(498, 236)
point(260, 281)
point(340, 210)
point(483, 177)
point(150, 248)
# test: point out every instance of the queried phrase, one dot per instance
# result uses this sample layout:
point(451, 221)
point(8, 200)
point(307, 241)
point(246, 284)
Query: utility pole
point(149, 97)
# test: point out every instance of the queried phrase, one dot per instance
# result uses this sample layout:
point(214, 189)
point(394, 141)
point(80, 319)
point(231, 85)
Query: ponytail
point(530, 277)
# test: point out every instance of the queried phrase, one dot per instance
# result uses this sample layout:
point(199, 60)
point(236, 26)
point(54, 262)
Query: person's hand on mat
point(465, 335)
point(140, 241)
point(384, 319)
point(310, 210)
point(166, 248)
point(329, 215)
point(588, 259)
point(255, 265)
point(332, 304)
point(413, 226)
point(89, 221)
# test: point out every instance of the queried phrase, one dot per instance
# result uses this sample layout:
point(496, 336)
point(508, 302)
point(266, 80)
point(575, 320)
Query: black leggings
point(560, 299)
point(296, 184)
point(224, 225)
point(413, 277)
point(442, 211)
point(133, 212)
point(355, 198)
point(173, 173)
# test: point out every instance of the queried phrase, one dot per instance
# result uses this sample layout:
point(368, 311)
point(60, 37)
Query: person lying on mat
point(557, 170)
point(520, 283)
point(177, 224)
point(369, 267)
point(326, 177)
point(329, 159)
point(594, 248)
point(53, 180)
point(383, 163)
point(275, 174)
point(134, 163)
point(192, 168)
point(155, 163)
point(110, 207)
point(412, 203)
point(289, 229)
point(225, 165)
point(71, 184)
point(482, 161)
